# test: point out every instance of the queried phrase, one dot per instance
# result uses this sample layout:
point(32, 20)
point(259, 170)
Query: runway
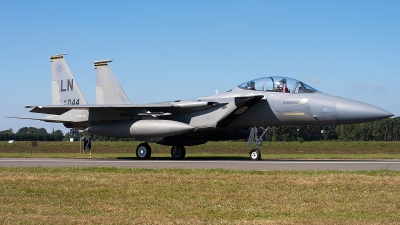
point(240, 164)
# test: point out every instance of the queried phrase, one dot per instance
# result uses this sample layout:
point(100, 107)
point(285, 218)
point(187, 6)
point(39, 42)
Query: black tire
point(143, 151)
point(178, 152)
point(255, 154)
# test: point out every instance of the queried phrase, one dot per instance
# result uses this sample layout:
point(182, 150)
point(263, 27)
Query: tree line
point(382, 130)
point(31, 134)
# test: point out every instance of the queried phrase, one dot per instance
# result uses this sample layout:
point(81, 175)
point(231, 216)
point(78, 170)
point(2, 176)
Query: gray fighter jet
point(239, 113)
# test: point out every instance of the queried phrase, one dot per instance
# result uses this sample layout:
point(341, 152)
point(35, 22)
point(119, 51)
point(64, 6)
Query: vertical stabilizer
point(108, 90)
point(65, 90)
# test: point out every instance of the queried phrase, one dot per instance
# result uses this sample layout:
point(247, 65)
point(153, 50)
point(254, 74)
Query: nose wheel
point(255, 154)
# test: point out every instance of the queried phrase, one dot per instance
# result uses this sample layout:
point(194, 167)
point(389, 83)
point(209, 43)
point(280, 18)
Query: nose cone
point(350, 111)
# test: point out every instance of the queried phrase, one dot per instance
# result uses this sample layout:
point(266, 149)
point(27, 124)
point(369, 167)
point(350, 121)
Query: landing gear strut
point(178, 152)
point(143, 151)
point(255, 154)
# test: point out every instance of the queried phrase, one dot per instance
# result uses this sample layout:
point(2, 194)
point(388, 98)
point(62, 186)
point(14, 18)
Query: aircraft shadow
point(238, 158)
point(207, 158)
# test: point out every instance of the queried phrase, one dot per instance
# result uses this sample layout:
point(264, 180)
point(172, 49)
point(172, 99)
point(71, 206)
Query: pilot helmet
point(283, 81)
point(251, 85)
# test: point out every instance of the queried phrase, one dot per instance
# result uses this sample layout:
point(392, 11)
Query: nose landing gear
point(255, 154)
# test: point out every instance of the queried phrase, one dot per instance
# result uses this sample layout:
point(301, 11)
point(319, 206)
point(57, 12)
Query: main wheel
point(143, 151)
point(255, 154)
point(178, 152)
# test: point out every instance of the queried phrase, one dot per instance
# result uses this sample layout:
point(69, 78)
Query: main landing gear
point(255, 154)
point(143, 151)
point(178, 152)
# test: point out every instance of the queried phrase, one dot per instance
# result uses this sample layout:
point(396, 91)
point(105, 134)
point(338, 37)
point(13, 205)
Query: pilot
point(282, 86)
point(302, 89)
point(251, 85)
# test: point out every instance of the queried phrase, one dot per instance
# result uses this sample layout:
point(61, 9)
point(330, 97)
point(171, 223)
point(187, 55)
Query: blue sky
point(169, 50)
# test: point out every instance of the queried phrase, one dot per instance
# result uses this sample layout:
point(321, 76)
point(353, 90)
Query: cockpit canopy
point(277, 84)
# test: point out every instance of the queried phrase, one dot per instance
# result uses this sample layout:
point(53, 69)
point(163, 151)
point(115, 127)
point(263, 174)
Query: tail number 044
point(71, 101)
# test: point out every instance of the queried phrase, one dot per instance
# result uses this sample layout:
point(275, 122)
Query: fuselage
point(286, 101)
point(270, 101)
point(318, 108)
point(299, 104)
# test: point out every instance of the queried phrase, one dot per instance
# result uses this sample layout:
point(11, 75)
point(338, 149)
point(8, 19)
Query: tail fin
point(65, 90)
point(108, 90)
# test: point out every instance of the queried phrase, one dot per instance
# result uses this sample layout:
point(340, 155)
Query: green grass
point(101, 195)
point(224, 149)
point(185, 196)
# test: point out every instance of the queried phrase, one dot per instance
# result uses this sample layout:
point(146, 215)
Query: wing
point(115, 112)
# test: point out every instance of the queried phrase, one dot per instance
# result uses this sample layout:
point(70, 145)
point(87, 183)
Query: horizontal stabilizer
point(23, 118)
point(53, 110)
point(39, 119)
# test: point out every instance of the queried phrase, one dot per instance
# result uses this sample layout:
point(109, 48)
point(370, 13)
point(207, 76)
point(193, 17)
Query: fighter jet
point(236, 114)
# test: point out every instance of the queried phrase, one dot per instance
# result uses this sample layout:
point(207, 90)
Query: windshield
point(277, 84)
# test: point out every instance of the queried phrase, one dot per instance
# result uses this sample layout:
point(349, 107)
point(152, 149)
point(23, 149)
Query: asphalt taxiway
point(239, 164)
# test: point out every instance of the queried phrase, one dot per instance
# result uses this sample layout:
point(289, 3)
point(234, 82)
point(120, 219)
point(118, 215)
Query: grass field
point(269, 150)
point(100, 195)
point(165, 196)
